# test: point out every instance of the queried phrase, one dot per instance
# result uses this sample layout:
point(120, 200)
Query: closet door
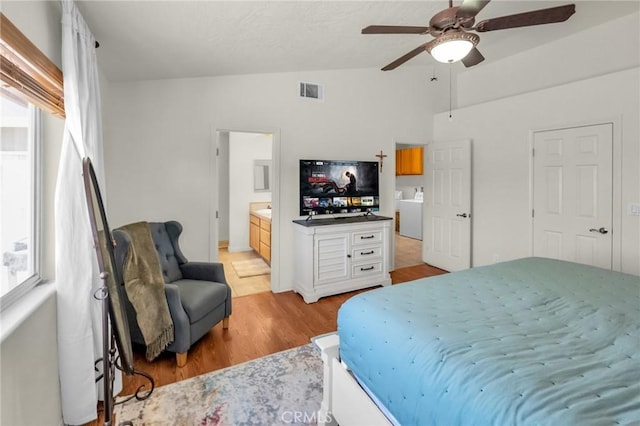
point(572, 194)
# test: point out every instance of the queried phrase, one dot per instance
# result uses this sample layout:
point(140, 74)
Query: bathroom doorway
point(245, 176)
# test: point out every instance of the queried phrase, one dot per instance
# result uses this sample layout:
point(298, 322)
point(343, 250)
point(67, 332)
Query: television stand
point(338, 255)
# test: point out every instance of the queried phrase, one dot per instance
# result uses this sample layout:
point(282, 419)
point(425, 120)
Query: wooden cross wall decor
point(381, 156)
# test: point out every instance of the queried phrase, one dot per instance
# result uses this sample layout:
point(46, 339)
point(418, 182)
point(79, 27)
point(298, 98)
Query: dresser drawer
point(364, 269)
point(366, 237)
point(366, 253)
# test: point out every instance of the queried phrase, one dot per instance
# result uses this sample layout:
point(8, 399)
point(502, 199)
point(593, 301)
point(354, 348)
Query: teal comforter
point(532, 341)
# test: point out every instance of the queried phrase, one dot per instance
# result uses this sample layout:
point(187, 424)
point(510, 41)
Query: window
point(19, 198)
point(29, 79)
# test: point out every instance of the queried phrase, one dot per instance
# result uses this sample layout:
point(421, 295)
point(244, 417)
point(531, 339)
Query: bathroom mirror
point(103, 243)
point(262, 175)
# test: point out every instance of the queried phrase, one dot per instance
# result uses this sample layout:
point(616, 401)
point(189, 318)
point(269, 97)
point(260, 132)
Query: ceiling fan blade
point(401, 60)
point(470, 8)
point(393, 29)
point(473, 58)
point(526, 19)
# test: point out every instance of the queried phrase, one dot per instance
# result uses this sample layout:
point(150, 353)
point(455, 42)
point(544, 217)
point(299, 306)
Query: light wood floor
point(408, 253)
point(261, 324)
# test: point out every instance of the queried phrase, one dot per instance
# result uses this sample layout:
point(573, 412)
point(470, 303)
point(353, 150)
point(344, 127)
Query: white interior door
point(572, 194)
point(447, 206)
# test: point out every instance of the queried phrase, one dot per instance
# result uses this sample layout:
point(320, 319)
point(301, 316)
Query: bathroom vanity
point(260, 230)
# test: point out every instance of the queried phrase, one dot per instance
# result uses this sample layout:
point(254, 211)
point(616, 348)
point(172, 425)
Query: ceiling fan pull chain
point(450, 90)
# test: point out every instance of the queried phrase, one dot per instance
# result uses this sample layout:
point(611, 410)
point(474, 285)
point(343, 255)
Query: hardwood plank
point(261, 324)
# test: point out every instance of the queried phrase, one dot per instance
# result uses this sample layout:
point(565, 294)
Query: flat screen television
point(338, 187)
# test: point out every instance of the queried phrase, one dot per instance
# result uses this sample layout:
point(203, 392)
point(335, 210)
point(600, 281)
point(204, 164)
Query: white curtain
point(77, 275)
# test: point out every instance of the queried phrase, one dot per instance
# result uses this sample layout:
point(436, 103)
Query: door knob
point(602, 230)
point(461, 215)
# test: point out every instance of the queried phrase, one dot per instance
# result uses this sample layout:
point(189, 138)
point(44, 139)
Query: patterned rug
point(250, 267)
point(278, 389)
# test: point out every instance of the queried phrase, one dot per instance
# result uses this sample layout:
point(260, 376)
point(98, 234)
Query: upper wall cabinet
point(409, 161)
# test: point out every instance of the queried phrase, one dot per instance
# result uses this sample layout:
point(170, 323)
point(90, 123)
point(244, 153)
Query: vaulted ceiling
point(147, 40)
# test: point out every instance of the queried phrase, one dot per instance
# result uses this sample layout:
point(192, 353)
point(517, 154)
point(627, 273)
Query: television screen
point(337, 187)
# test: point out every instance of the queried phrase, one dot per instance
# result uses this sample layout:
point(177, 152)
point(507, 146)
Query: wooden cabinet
point(409, 161)
point(265, 240)
point(260, 236)
point(254, 232)
point(332, 259)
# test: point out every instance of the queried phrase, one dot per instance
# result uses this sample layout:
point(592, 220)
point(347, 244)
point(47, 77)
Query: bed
point(529, 341)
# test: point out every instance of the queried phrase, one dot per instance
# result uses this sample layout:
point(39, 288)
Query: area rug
point(274, 390)
point(250, 267)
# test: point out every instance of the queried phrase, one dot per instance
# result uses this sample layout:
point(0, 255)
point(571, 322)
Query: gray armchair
point(197, 292)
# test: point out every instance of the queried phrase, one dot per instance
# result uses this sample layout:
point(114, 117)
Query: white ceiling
point(147, 40)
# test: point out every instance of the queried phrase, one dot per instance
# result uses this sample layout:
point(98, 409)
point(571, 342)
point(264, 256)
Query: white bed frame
point(344, 401)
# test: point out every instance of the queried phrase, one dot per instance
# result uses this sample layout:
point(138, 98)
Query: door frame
point(617, 208)
point(275, 196)
point(392, 244)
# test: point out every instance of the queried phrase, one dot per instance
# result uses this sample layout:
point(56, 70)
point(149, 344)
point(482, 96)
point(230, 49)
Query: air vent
point(311, 91)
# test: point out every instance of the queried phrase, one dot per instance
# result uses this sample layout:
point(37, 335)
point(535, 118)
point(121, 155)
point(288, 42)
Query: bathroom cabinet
point(260, 235)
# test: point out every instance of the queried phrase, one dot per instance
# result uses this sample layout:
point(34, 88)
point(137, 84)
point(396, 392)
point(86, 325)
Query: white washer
point(410, 218)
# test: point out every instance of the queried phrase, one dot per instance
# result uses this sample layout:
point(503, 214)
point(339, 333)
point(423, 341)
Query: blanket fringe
point(156, 347)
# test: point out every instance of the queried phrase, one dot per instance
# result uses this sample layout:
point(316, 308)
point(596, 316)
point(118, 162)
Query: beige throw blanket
point(144, 285)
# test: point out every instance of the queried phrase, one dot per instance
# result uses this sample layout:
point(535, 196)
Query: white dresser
point(339, 255)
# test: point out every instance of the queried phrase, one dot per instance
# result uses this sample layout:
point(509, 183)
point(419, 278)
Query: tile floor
point(247, 285)
point(408, 251)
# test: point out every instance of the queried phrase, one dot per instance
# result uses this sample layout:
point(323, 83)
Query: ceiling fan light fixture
point(452, 46)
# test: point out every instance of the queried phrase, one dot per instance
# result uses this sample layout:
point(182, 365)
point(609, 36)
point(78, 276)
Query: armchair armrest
point(182, 339)
point(206, 271)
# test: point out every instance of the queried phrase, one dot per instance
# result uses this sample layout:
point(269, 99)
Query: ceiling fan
point(453, 42)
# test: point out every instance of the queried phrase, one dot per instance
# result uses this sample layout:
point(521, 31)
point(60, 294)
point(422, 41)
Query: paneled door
point(447, 206)
point(572, 194)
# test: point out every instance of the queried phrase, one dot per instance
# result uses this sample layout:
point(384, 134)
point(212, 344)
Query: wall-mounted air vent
point(311, 91)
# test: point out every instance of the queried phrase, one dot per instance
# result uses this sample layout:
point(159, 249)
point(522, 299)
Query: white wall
point(606, 48)
point(29, 388)
point(29, 362)
point(244, 148)
point(580, 79)
point(501, 132)
point(157, 153)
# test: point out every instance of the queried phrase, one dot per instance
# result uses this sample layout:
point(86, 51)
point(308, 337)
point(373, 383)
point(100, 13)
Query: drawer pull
point(367, 269)
point(368, 237)
point(364, 253)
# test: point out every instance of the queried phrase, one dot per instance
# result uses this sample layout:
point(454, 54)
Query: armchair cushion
point(197, 297)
